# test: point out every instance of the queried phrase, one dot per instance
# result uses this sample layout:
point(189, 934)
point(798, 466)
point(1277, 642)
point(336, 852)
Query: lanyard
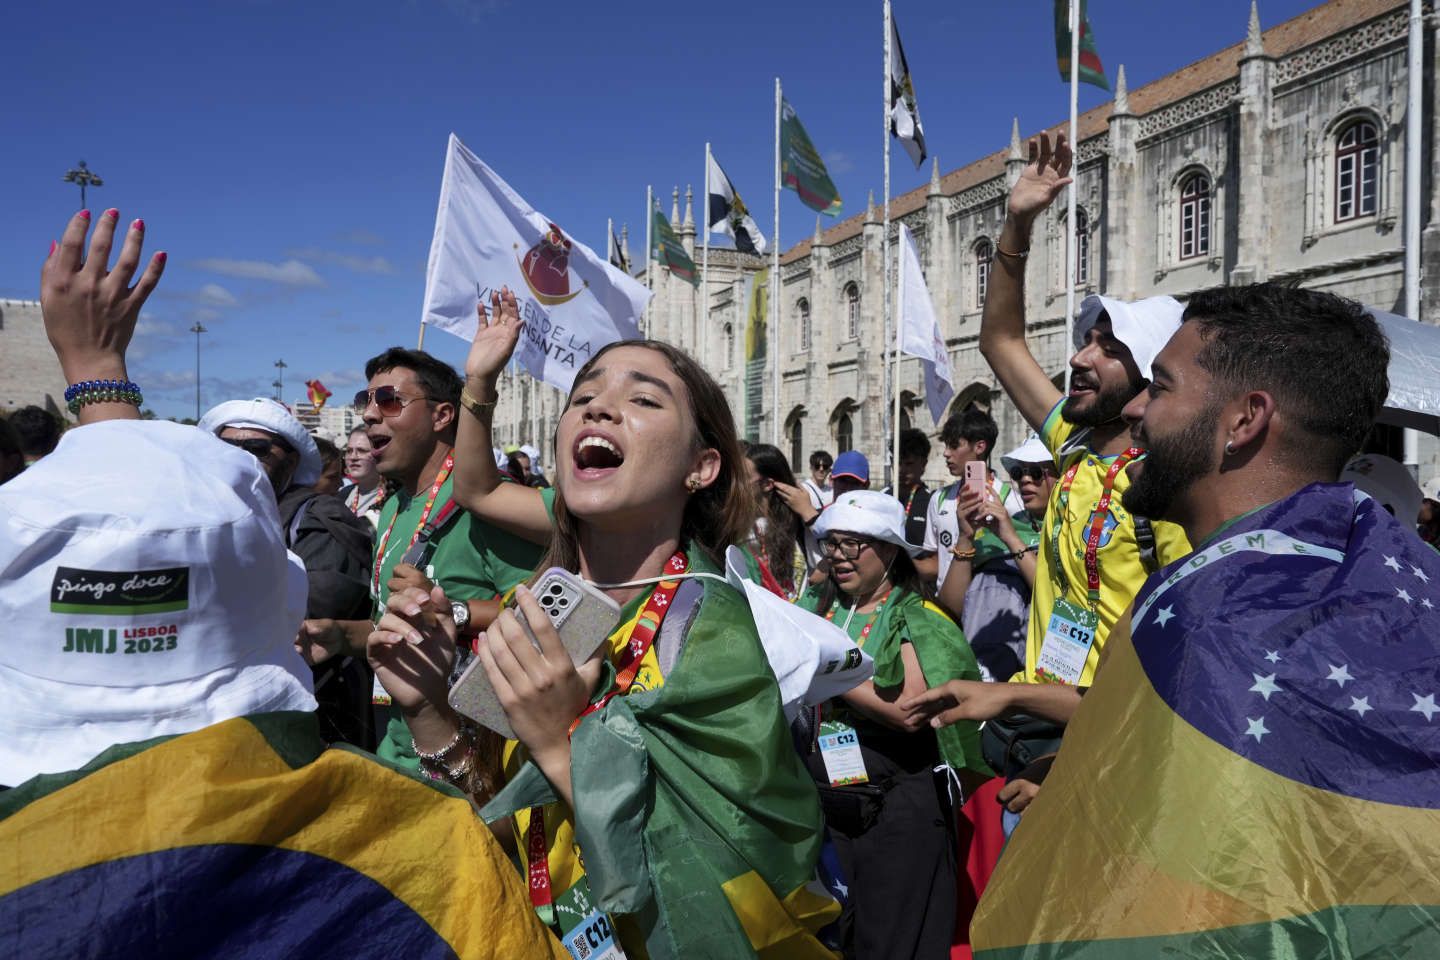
point(1097, 524)
point(870, 625)
point(627, 665)
point(380, 554)
point(911, 499)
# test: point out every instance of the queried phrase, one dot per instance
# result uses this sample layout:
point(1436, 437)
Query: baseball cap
point(1031, 451)
point(868, 513)
point(148, 592)
point(851, 463)
point(1145, 326)
point(262, 413)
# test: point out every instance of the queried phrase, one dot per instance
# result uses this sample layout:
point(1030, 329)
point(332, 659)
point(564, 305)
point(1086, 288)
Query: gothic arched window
point(1194, 216)
point(1357, 168)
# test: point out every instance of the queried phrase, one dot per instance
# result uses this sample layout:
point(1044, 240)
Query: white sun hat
point(1031, 451)
point(1145, 326)
point(1388, 481)
point(868, 513)
point(262, 413)
point(147, 591)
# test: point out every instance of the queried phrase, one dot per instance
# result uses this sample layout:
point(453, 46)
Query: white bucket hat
point(262, 413)
point(1389, 482)
point(1031, 451)
point(868, 513)
point(1145, 326)
point(147, 591)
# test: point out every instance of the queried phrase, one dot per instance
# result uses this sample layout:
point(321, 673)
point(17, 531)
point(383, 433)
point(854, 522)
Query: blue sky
point(288, 155)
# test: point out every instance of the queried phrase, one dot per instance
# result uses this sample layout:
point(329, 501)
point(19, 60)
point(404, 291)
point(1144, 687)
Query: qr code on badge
point(579, 946)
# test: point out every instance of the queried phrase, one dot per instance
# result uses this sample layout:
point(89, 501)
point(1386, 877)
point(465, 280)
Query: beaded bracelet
point(85, 392)
point(444, 751)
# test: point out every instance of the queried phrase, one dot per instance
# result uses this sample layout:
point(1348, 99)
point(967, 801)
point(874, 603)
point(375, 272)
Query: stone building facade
point(1278, 158)
point(29, 372)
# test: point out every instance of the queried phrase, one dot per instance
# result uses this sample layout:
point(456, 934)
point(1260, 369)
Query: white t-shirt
point(941, 526)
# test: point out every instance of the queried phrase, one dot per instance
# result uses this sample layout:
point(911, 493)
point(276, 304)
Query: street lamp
point(85, 178)
point(279, 383)
point(198, 329)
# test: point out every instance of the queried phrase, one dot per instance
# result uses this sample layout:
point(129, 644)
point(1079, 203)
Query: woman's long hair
point(715, 516)
point(903, 577)
point(783, 529)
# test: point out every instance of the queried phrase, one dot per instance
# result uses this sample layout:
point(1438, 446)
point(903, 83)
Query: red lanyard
point(440, 479)
point(870, 625)
point(1097, 521)
point(627, 666)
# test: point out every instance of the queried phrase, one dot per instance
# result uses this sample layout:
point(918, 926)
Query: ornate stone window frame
point(1167, 216)
point(1195, 199)
point(850, 299)
point(1321, 151)
point(804, 331)
point(982, 257)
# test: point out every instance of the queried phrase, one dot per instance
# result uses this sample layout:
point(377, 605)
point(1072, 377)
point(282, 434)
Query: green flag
point(801, 168)
point(1091, 70)
point(756, 337)
point(669, 251)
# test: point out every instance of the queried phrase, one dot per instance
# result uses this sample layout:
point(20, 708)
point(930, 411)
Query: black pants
point(902, 869)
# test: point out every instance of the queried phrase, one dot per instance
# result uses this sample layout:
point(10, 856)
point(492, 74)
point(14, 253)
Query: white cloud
point(291, 273)
point(216, 295)
point(837, 162)
point(350, 262)
point(148, 326)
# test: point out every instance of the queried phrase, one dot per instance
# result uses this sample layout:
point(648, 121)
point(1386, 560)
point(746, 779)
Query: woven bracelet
point(86, 392)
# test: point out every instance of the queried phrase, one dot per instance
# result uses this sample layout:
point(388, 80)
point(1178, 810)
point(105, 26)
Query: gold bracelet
point(962, 556)
point(474, 405)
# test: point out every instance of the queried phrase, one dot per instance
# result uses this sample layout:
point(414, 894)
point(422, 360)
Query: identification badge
point(840, 749)
point(1068, 639)
point(378, 696)
point(586, 930)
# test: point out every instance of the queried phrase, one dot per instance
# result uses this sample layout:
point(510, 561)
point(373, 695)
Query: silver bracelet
point(440, 754)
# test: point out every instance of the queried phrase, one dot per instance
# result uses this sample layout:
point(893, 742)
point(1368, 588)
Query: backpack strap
point(1145, 540)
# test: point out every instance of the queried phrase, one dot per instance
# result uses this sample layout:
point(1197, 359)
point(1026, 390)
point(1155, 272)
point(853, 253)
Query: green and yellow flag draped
point(250, 839)
point(757, 337)
point(1091, 70)
point(668, 249)
point(801, 167)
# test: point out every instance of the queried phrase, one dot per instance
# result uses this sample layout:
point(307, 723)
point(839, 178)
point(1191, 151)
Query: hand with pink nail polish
point(412, 650)
point(90, 309)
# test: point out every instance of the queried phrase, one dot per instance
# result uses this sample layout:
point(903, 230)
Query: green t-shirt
point(989, 546)
point(471, 560)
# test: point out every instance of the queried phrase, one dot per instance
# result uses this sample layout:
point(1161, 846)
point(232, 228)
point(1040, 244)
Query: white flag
point(728, 214)
point(486, 236)
point(920, 334)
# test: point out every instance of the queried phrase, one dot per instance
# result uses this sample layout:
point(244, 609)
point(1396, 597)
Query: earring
point(693, 484)
point(1229, 449)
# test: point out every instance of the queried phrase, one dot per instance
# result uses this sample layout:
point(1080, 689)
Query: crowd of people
point(1041, 644)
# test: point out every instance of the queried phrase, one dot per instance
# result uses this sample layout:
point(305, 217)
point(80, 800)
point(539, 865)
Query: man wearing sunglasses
point(332, 542)
point(424, 537)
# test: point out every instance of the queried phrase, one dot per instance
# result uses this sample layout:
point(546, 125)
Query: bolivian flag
point(246, 840)
point(1256, 772)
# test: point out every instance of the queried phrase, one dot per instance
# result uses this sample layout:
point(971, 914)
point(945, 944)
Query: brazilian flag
point(250, 839)
point(1256, 770)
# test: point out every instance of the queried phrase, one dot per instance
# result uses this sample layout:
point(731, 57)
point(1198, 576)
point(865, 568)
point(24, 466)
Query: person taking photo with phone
point(671, 740)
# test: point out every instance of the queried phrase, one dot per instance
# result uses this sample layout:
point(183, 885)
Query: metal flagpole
point(705, 261)
point(649, 225)
point(1413, 138)
point(775, 283)
point(899, 326)
point(610, 239)
point(887, 428)
point(1071, 250)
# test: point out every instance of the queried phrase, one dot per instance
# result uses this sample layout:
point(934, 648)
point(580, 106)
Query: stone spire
point(689, 203)
point(625, 242)
point(1254, 43)
point(870, 209)
point(935, 177)
point(815, 241)
point(675, 207)
point(1122, 93)
point(1015, 152)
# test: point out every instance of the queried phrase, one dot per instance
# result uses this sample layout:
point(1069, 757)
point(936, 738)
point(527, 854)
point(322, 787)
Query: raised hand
point(90, 309)
point(412, 649)
point(496, 338)
point(957, 700)
point(1047, 173)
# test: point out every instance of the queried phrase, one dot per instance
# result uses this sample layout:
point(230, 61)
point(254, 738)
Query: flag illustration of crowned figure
point(487, 236)
point(904, 112)
point(728, 213)
point(919, 329)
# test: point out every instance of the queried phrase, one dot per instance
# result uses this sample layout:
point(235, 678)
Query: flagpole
point(1413, 139)
point(775, 281)
point(887, 429)
point(649, 225)
point(1071, 250)
point(705, 261)
point(420, 345)
point(899, 324)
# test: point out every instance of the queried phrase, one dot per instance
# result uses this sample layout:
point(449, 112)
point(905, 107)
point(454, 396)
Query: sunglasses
point(846, 548)
point(386, 400)
point(1036, 473)
point(257, 447)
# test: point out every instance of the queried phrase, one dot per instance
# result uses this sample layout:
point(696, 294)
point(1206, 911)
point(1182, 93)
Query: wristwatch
point(460, 612)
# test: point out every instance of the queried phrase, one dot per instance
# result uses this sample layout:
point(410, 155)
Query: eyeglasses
point(257, 447)
point(386, 400)
point(1030, 472)
point(848, 549)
